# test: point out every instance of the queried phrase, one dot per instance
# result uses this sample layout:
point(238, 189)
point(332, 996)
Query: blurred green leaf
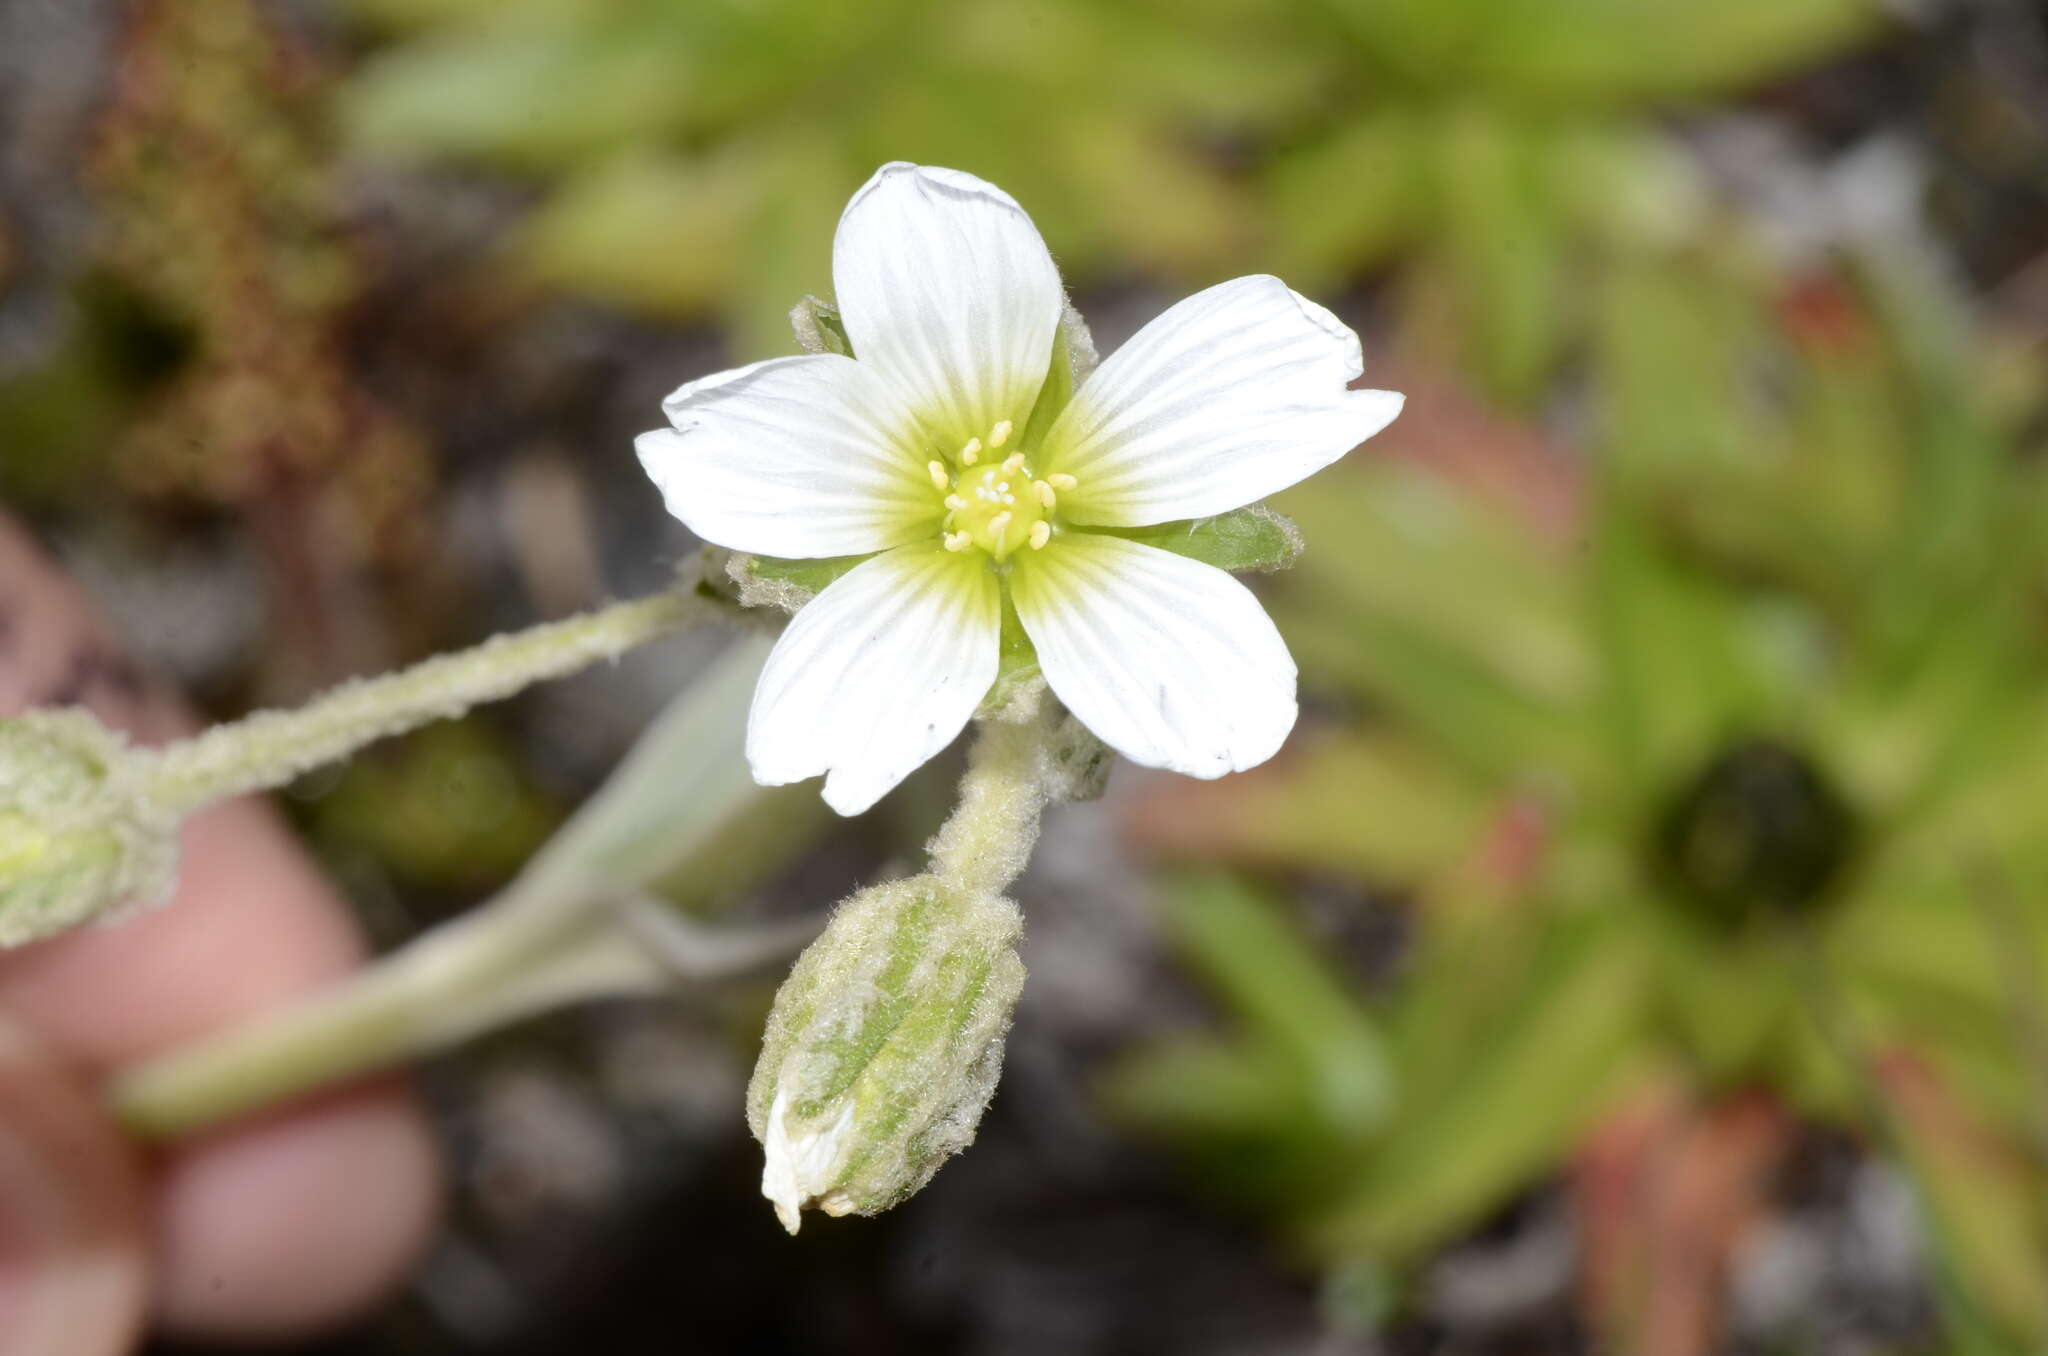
point(1345, 203)
point(520, 86)
point(1246, 1120)
point(1679, 677)
point(447, 806)
point(1984, 1199)
point(1287, 997)
point(1414, 596)
point(1555, 1048)
point(1491, 144)
point(1675, 342)
point(645, 231)
point(1599, 51)
point(682, 809)
point(1376, 805)
point(1503, 237)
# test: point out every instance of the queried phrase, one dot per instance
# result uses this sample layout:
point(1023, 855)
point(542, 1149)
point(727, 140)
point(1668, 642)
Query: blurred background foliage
point(1730, 789)
point(691, 156)
point(1655, 889)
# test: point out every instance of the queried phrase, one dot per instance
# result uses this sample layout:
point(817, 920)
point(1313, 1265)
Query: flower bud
point(77, 839)
point(884, 1046)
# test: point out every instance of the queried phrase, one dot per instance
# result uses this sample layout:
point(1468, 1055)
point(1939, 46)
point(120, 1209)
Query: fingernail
point(72, 1275)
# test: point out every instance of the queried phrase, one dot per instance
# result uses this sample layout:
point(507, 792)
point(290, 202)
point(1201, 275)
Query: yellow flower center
point(995, 502)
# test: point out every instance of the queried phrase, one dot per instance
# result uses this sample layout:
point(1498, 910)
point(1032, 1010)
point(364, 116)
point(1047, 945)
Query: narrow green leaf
point(1268, 972)
point(1503, 244)
point(650, 231)
point(682, 797)
point(1522, 1093)
point(1343, 204)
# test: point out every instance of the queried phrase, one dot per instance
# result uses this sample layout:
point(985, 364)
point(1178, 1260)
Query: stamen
point(1000, 434)
point(970, 453)
point(1041, 533)
point(1013, 463)
point(955, 502)
point(997, 526)
point(937, 470)
point(1060, 480)
point(1044, 493)
point(959, 541)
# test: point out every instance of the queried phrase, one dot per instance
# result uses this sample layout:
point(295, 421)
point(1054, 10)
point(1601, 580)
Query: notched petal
point(1228, 397)
point(878, 673)
point(1171, 662)
point(946, 289)
point(798, 457)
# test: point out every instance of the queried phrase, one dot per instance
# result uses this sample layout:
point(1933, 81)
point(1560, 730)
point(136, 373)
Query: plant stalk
point(270, 748)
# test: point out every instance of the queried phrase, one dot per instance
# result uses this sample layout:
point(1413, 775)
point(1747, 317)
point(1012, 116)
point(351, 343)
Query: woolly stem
point(1013, 772)
point(270, 748)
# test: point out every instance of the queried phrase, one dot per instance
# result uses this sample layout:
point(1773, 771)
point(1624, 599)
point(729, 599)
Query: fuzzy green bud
point(77, 838)
point(884, 1047)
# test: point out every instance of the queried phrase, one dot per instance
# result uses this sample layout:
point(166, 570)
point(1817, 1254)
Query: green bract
point(884, 1046)
point(77, 840)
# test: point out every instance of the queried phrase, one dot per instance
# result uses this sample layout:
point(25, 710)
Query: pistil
point(999, 508)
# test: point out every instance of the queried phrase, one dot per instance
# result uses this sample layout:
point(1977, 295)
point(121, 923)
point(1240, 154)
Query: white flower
point(919, 452)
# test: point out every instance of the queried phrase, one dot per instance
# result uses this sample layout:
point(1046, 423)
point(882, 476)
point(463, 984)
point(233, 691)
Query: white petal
point(791, 457)
point(946, 288)
point(1229, 396)
point(1169, 661)
point(876, 674)
point(798, 1168)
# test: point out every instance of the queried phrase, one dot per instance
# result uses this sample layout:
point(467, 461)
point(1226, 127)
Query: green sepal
point(819, 328)
point(805, 574)
point(1254, 538)
point(80, 836)
point(1016, 663)
point(884, 1046)
point(771, 581)
point(1073, 358)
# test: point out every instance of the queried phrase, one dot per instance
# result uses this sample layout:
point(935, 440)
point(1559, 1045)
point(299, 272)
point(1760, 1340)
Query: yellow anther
point(955, 502)
point(1000, 434)
point(958, 541)
point(937, 471)
point(1013, 463)
point(1041, 533)
point(970, 453)
point(1044, 493)
point(1060, 480)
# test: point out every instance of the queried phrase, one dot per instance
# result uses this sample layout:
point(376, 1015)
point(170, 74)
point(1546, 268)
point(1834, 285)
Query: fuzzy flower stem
point(986, 842)
point(270, 748)
point(885, 1043)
